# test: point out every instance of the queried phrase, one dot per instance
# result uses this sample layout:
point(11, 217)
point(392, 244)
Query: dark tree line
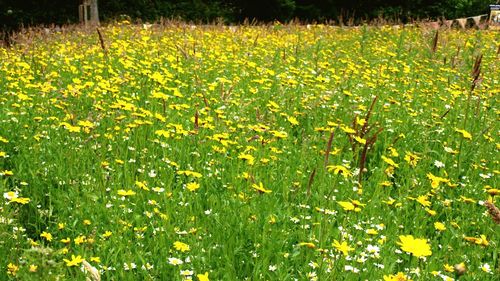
point(14, 13)
point(284, 10)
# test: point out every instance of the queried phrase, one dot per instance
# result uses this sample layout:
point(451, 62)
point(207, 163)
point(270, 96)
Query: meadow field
point(279, 152)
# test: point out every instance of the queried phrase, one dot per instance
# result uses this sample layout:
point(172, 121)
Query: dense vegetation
point(276, 152)
point(62, 11)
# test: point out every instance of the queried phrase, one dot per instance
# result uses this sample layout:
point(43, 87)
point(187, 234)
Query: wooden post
point(85, 12)
point(80, 13)
point(88, 12)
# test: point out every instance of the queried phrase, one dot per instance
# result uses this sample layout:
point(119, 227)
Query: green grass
point(241, 106)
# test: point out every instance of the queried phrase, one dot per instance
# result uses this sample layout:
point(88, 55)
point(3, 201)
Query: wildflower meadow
point(276, 152)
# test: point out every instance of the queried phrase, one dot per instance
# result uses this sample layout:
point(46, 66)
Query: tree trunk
point(94, 12)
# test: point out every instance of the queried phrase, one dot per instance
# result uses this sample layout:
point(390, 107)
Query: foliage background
point(33, 12)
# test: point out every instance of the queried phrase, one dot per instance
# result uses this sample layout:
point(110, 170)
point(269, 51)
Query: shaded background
point(35, 12)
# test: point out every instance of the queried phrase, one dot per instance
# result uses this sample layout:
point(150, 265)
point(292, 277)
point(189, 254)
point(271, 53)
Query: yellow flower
point(348, 130)
point(203, 277)
point(162, 133)
point(394, 152)
point(390, 161)
point(260, 188)
point(125, 193)
point(360, 121)
point(293, 120)
point(272, 219)
point(348, 206)
point(6, 173)
point(467, 200)
point(142, 185)
point(464, 133)
point(400, 276)
point(338, 169)
point(423, 200)
point(385, 183)
point(192, 186)
point(412, 159)
point(183, 247)
point(247, 157)
point(493, 191)
point(357, 203)
point(86, 124)
point(80, 240)
point(74, 260)
point(449, 268)
point(70, 128)
point(12, 269)
point(382, 240)
point(430, 212)
point(390, 202)
point(439, 226)
point(190, 173)
point(47, 236)
point(307, 244)
point(354, 205)
point(479, 241)
point(417, 247)
point(33, 268)
point(20, 200)
point(342, 247)
point(360, 140)
point(435, 181)
point(66, 240)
